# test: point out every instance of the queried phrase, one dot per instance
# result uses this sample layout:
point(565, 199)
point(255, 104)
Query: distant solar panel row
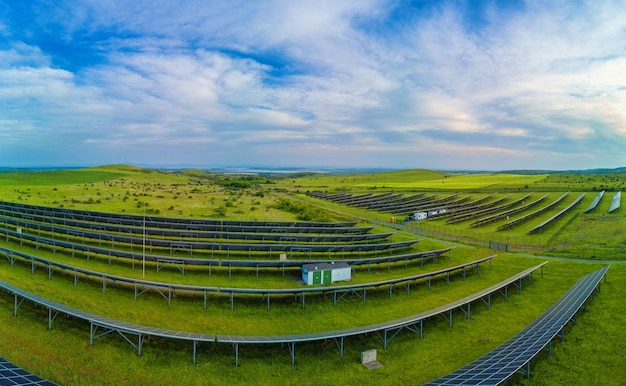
point(384, 202)
point(615, 202)
point(434, 204)
point(500, 364)
point(528, 216)
point(191, 231)
point(383, 205)
point(338, 249)
point(164, 222)
point(482, 210)
point(182, 230)
point(87, 231)
point(549, 221)
point(389, 206)
point(507, 213)
point(477, 208)
point(595, 202)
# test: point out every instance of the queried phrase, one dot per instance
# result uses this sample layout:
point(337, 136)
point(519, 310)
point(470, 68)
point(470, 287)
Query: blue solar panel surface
point(615, 203)
point(10, 374)
point(498, 365)
point(595, 202)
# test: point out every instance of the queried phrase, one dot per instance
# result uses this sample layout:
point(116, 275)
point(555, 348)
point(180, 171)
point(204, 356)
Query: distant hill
point(583, 172)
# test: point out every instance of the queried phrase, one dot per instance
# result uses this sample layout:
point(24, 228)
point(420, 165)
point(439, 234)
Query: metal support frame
point(468, 312)
point(416, 327)
point(182, 246)
point(345, 292)
point(488, 301)
point(51, 317)
point(505, 293)
point(292, 351)
point(10, 257)
point(180, 265)
point(448, 317)
point(339, 343)
point(17, 304)
point(75, 278)
point(145, 289)
point(93, 329)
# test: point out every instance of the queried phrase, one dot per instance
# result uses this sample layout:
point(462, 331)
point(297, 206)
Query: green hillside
point(575, 244)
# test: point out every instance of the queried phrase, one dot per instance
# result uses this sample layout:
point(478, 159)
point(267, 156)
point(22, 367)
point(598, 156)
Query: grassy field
point(63, 354)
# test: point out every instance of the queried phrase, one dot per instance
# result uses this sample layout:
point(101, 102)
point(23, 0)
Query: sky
point(480, 85)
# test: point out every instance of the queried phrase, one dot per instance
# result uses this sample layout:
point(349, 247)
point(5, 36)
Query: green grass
point(442, 350)
point(63, 354)
point(131, 190)
point(414, 180)
point(464, 182)
point(57, 177)
point(592, 235)
point(357, 181)
point(239, 277)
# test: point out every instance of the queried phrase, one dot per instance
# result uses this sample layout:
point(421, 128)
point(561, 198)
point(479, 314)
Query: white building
point(325, 273)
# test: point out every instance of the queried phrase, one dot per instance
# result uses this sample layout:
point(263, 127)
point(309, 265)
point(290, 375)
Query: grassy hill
point(63, 354)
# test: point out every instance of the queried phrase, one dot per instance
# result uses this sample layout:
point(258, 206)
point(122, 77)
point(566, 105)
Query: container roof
point(325, 266)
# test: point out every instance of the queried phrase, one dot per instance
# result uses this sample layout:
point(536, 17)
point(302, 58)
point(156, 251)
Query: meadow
point(63, 354)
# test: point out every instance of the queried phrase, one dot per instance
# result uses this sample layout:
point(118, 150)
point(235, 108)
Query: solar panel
point(101, 326)
point(595, 202)
point(163, 221)
point(615, 202)
point(11, 374)
point(541, 226)
point(498, 365)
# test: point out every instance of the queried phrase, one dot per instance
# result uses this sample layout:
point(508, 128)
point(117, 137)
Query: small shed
point(325, 273)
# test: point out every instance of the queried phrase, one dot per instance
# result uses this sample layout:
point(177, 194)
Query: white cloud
point(322, 76)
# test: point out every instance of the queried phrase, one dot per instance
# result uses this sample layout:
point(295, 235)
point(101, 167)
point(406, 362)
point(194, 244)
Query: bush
point(302, 211)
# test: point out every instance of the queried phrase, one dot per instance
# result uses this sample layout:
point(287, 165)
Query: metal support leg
point(292, 350)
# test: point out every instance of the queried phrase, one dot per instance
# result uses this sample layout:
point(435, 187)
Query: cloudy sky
point(353, 83)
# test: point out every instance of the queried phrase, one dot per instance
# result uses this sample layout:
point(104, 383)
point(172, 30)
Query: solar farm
point(121, 290)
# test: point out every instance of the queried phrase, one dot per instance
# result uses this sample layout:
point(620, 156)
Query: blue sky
point(489, 85)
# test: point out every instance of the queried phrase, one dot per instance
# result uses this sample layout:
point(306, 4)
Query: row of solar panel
point(180, 230)
point(503, 362)
point(165, 222)
point(140, 331)
point(558, 215)
point(227, 248)
point(88, 231)
point(167, 289)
